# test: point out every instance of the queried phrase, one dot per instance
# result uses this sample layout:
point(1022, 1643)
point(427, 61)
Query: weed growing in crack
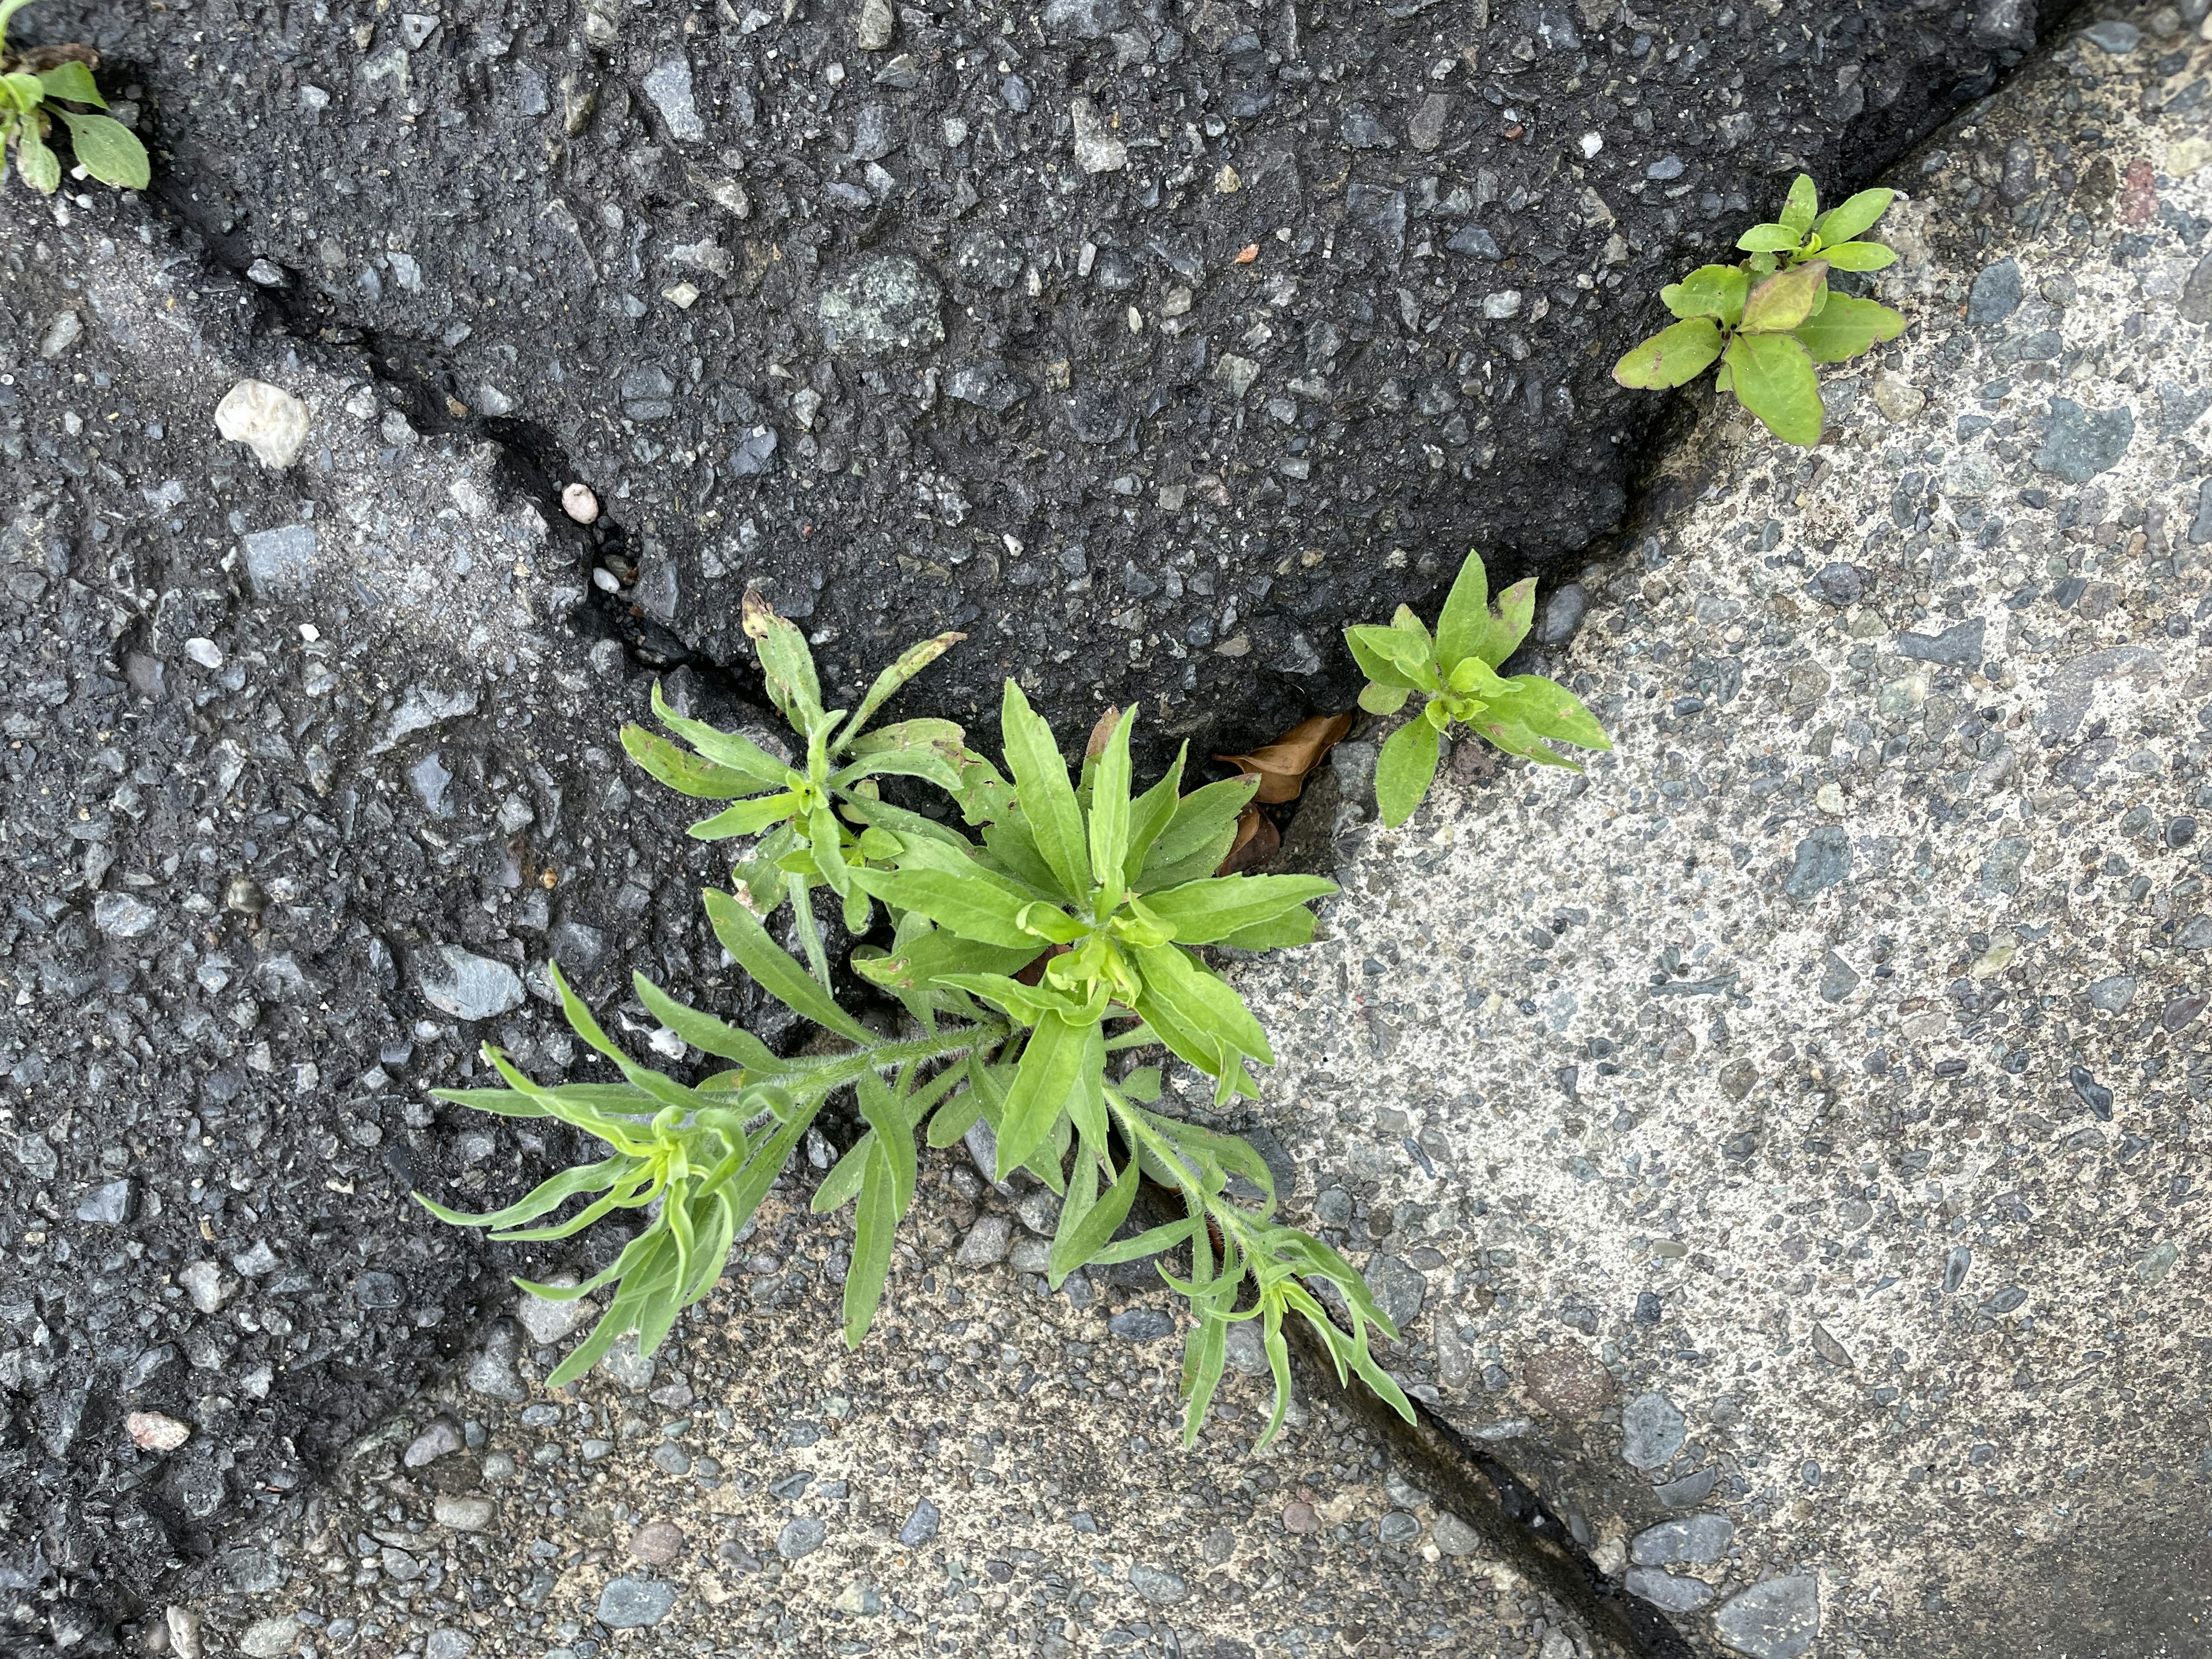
point(49, 81)
point(1769, 319)
point(1456, 670)
point(1026, 962)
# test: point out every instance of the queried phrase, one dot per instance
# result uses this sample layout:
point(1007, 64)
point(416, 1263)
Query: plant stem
point(802, 908)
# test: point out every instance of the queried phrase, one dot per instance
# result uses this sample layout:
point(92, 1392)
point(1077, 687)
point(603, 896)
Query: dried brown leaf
point(1257, 840)
point(1101, 734)
point(1282, 766)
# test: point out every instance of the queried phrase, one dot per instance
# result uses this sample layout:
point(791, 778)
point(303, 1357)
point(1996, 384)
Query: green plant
point(1769, 319)
point(1456, 669)
point(1025, 963)
point(804, 842)
point(37, 86)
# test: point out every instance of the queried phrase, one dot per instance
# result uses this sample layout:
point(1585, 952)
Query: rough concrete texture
point(999, 1470)
point(1793, 1134)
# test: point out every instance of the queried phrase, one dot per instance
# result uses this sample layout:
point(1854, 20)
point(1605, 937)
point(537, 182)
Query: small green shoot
point(36, 87)
point(1456, 669)
point(1769, 318)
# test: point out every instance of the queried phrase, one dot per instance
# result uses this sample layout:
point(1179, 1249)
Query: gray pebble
point(467, 985)
point(635, 1603)
point(441, 1439)
point(449, 1643)
point(1398, 1528)
point(120, 916)
point(986, 1243)
point(920, 1526)
point(800, 1537)
point(1652, 1430)
point(464, 1513)
point(1698, 1539)
point(1454, 1536)
point(669, 85)
point(1157, 1583)
point(1995, 293)
point(1777, 1619)
point(107, 1204)
point(1141, 1324)
point(1666, 1591)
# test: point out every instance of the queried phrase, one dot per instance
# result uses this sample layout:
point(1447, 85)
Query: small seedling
point(805, 841)
point(1769, 319)
point(1456, 669)
point(47, 82)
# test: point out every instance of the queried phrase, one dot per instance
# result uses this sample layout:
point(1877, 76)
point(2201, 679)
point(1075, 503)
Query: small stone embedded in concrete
point(154, 1432)
point(578, 501)
point(801, 1537)
point(548, 1321)
point(1096, 148)
point(463, 1514)
point(1652, 1430)
point(1568, 1381)
point(1995, 293)
point(1698, 1539)
point(467, 985)
point(1141, 1324)
point(279, 563)
point(886, 303)
point(1454, 1536)
point(1777, 1620)
point(986, 1242)
point(1668, 1591)
point(668, 83)
point(441, 1439)
point(1897, 398)
point(107, 1204)
point(2080, 443)
point(122, 915)
point(1821, 860)
point(657, 1543)
point(1398, 1288)
point(1157, 1585)
point(920, 1526)
point(877, 23)
point(269, 1639)
point(629, 1603)
point(269, 420)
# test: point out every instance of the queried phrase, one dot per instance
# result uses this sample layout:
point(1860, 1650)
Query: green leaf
point(1109, 815)
point(1366, 643)
point(774, 970)
point(887, 1116)
point(875, 1225)
point(1151, 1242)
point(1466, 616)
point(688, 773)
point(975, 906)
point(36, 165)
point(23, 90)
point(746, 818)
point(1845, 327)
point(1205, 1351)
point(1051, 1066)
point(1183, 994)
point(1074, 1246)
point(1855, 216)
point(1198, 837)
point(1516, 615)
point(935, 957)
point(1384, 699)
point(1046, 798)
point(911, 661)
point(1405, 768)
point(740, 754)
point(72, 81)
point(546, 1196)
point(1150, 814)
point(1860, 256)
point(8, 9)
point(1550, 710)
point(704, 1031)
point(1716, 291)
point(785, 661)
point(1775, 380)
point(1768, 239)
point(1674, 356)
point(1293, 928)
point(1201, 912)
point(1804, 202)
point(843, 1183)
point(1785, 299)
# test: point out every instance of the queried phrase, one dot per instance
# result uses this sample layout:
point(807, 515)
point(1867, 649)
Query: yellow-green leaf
point(1804, 202)
point(1768, 239)
point(1860, 256)
point(1840, 224)
point(1673, 355)
point(1785, 299)
point(1845, 326)
point(1774, 379)
point(1709, 291)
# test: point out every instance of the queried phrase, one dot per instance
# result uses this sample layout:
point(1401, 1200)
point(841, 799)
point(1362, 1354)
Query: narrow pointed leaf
point(911, 661)
point(1047, 799)
point(875, 1226)
point(774, 970)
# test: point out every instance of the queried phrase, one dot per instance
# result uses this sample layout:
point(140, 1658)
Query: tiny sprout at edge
point(1769, 319)
point(1093, 893)
point(1456, 671)
point(38, 85)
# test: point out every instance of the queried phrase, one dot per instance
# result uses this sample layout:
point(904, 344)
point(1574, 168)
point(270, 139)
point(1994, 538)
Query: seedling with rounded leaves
point(804, 813)
point(1768, 320)
point(48, 83)
point(1455, 671)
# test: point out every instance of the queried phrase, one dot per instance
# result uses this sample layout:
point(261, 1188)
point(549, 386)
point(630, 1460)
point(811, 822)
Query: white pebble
point(206, 653)
point(579, 504)
point(267, 418)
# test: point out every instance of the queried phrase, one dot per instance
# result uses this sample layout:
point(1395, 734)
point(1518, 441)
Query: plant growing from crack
point(1064, 938)
point(1455, 671)
point(47, 83)
point(1769, 318)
